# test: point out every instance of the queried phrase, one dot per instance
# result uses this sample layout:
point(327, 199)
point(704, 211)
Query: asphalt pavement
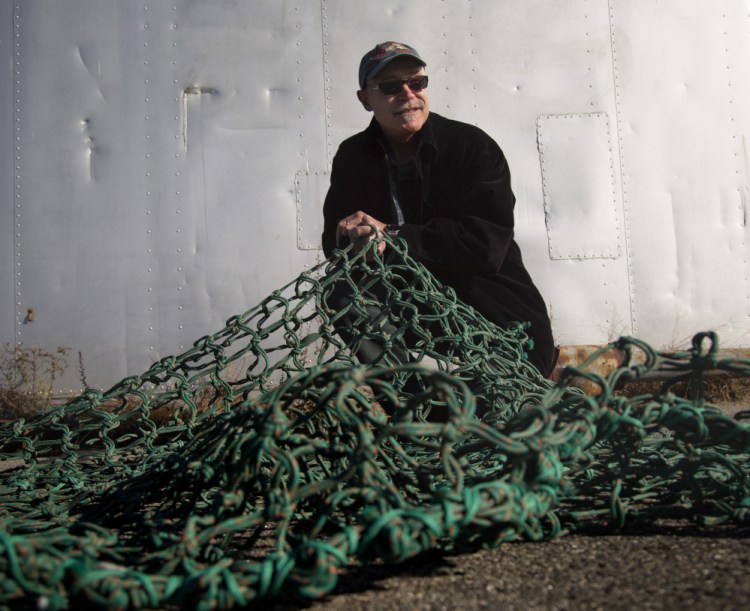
point(666, 568)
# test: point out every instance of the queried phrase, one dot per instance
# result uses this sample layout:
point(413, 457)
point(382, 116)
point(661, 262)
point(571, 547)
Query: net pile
point(266, 459)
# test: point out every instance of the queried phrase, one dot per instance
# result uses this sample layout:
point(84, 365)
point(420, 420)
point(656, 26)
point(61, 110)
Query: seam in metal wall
point(621, 161)
point(18, 202)
point(7, 176)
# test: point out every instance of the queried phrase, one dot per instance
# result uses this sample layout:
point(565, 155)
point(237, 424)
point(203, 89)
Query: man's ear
point(362, 97)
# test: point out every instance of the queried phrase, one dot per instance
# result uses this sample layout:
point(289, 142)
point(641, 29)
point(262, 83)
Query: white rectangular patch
point(580, 202)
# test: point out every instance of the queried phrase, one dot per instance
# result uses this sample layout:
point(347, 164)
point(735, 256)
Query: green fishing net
point(267, 459)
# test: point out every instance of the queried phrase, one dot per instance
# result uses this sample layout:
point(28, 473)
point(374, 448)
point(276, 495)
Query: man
point(441, 186)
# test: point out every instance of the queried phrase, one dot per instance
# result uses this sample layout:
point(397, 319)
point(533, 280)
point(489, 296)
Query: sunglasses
point(416, 83)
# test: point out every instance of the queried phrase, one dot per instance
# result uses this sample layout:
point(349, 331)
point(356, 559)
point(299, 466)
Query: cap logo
point(388, 47)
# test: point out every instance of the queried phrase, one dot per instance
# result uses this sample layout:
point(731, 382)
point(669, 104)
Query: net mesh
point(266, 459)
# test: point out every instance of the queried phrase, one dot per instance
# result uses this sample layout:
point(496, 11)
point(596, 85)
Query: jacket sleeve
point(340, 201)
point(472, 227)
point(358, 182)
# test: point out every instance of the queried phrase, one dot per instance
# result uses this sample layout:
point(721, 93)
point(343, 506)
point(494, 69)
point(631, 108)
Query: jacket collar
point(427, 142)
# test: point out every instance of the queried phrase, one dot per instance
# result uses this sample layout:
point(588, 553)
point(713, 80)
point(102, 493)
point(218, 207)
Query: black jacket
point(462, 226)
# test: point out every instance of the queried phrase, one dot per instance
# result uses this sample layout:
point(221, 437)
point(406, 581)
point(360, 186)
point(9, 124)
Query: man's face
point(400, 115)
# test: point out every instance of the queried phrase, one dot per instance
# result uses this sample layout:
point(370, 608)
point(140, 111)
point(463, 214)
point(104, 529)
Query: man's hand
point(358, 227)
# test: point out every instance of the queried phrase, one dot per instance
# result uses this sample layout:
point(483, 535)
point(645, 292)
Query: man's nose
point(406, 91)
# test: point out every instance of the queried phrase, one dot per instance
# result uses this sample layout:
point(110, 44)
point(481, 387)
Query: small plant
point(27, 377)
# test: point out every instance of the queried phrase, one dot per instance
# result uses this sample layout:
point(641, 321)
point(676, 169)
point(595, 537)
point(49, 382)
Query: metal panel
point(683, 82)
point(165, 181)
point(514, 64)
point(84, 243)
point(246, 142)
point(580, 203)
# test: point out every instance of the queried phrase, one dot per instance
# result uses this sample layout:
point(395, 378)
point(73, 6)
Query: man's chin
point(411, 122)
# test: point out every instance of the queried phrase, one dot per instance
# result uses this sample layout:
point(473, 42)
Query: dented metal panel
point(163, 165)
point(164, 183)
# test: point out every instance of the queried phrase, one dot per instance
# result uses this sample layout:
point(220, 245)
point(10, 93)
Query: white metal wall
point(683, 88)
point(163, 163)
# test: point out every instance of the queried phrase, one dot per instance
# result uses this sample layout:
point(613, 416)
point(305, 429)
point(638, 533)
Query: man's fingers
point(360, 231)
point(357, 227)
point(343, 229)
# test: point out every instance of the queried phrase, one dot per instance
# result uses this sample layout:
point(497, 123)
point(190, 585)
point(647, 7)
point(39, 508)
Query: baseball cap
point(377, 59)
